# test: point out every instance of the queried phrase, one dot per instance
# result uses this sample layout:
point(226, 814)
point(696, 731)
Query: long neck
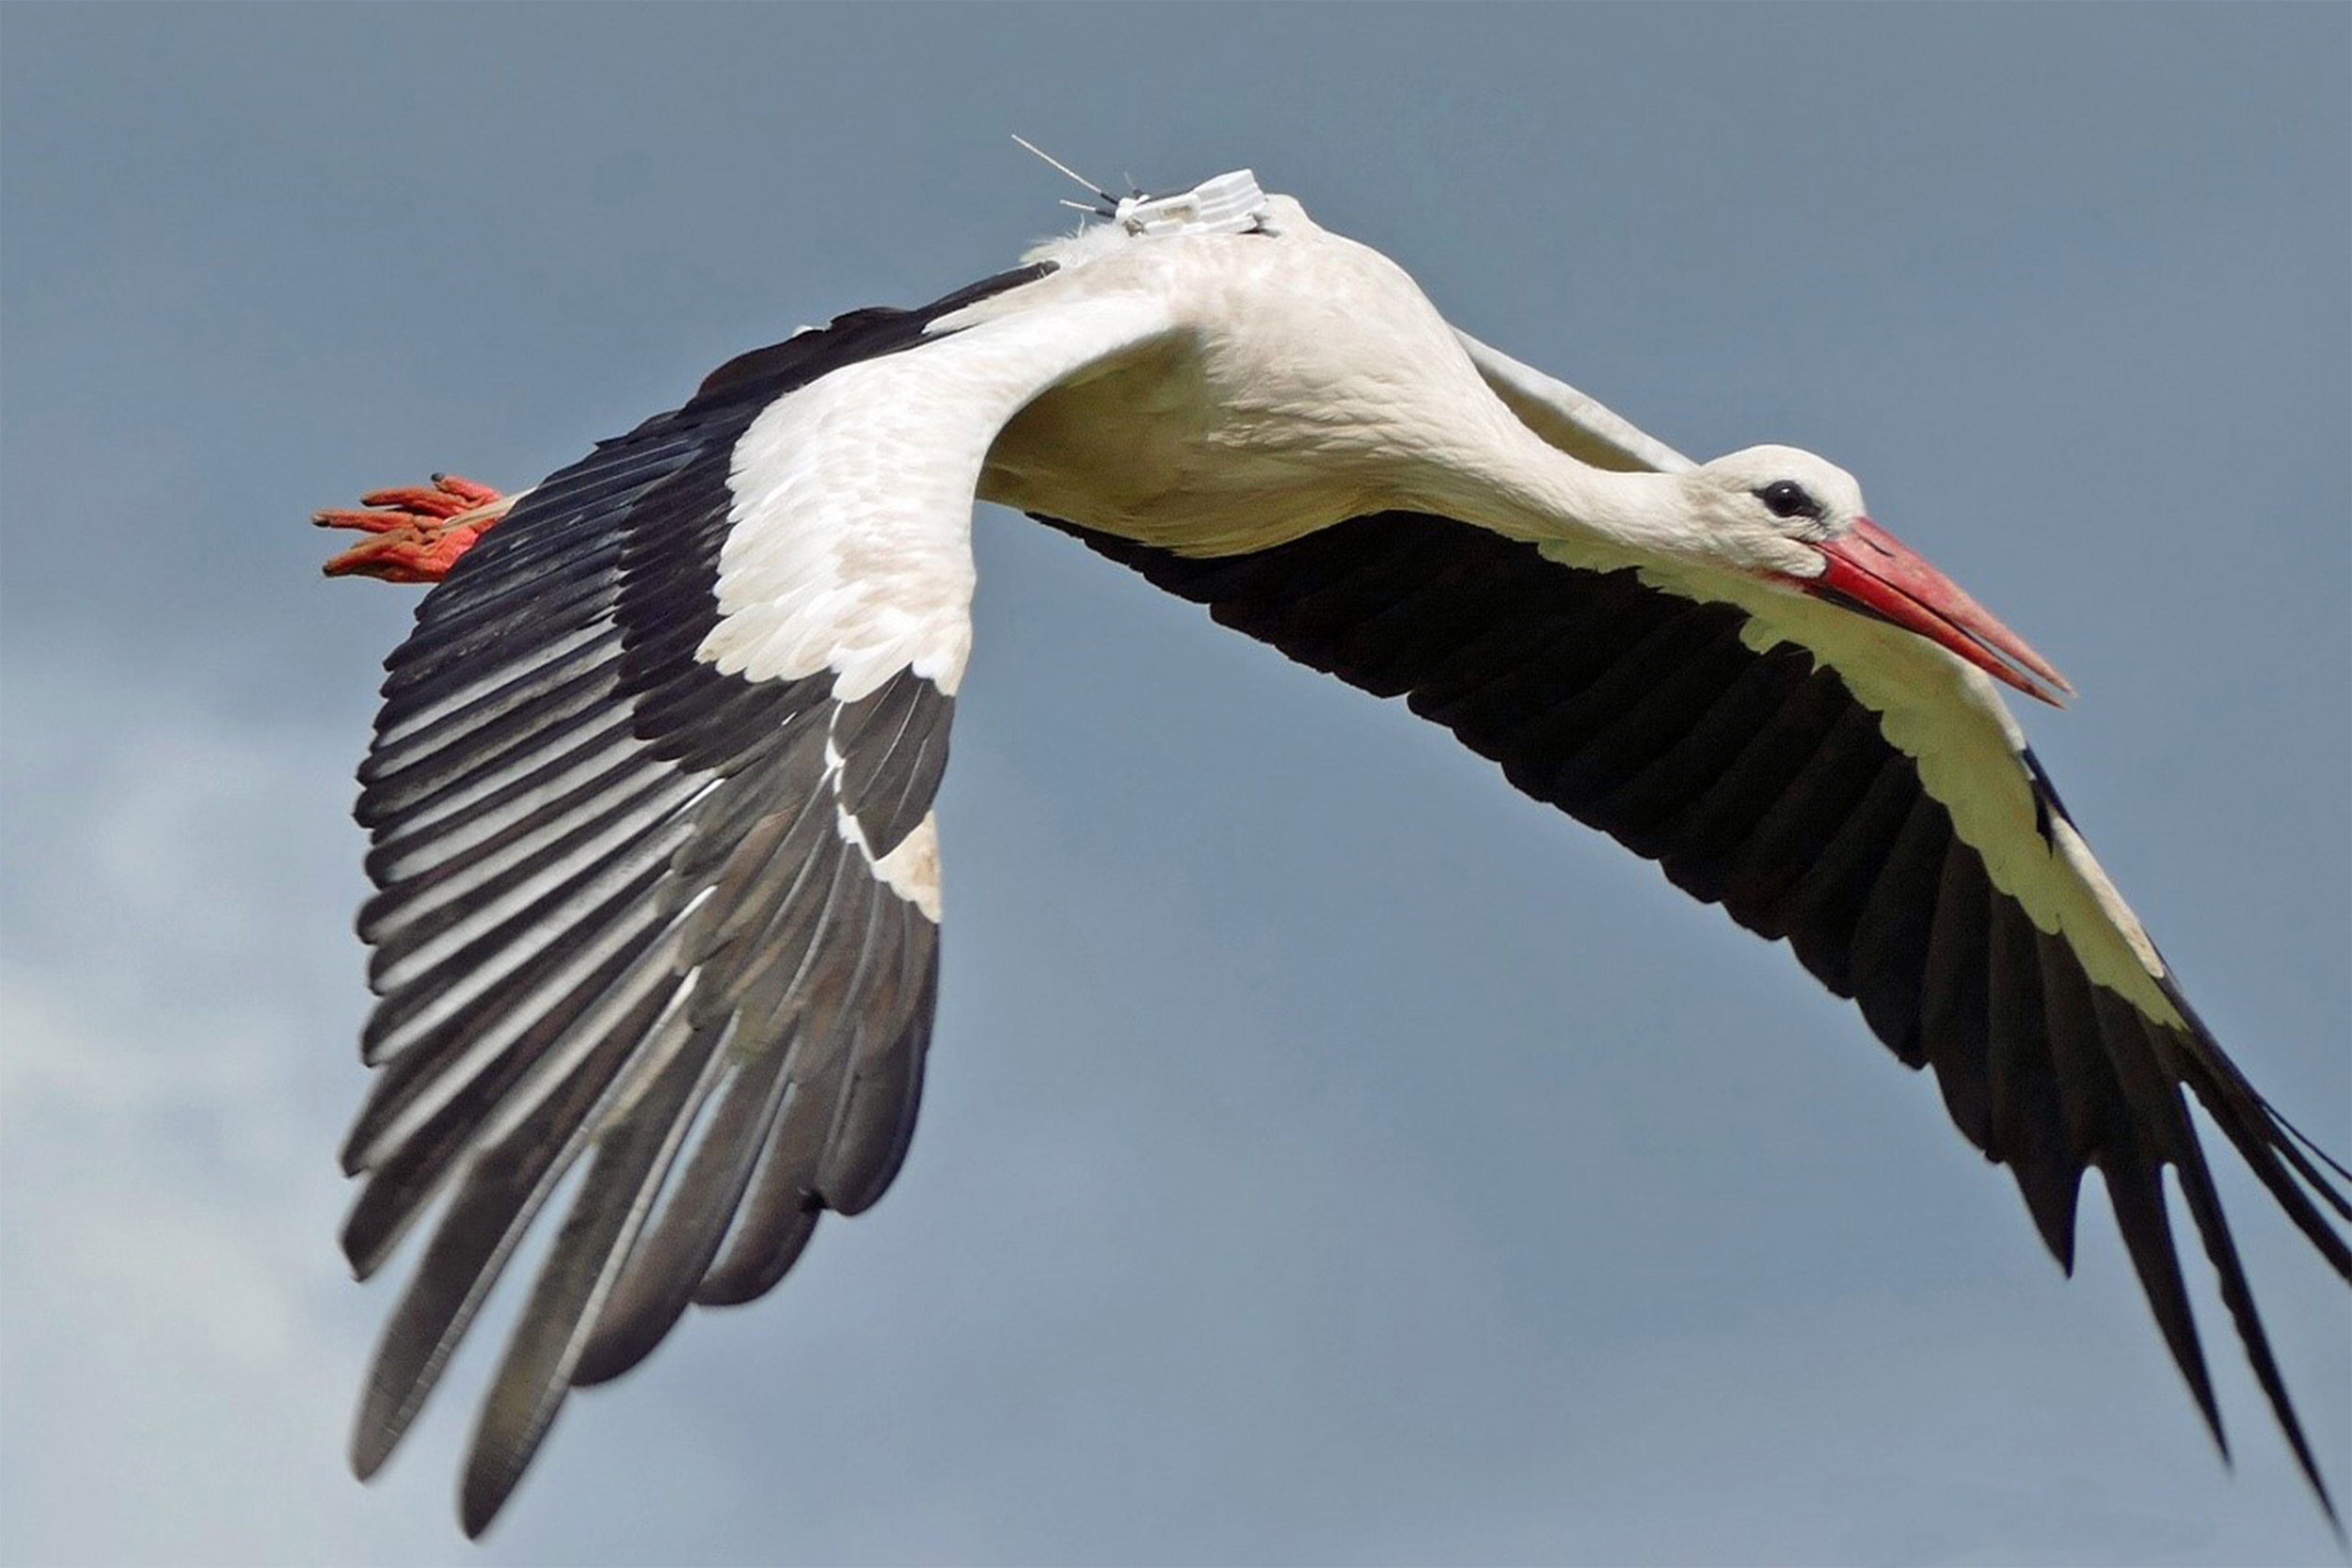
point(1502, 477)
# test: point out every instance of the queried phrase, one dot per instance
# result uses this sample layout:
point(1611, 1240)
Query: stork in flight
point(650, 793)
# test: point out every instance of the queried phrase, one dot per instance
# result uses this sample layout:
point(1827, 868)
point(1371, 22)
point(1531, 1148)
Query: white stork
point(651, 790)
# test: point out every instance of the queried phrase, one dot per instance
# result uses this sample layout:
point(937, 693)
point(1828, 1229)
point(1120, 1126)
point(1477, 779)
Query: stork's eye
point(1788, 498)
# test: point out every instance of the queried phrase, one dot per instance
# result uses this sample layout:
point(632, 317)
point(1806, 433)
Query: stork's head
point(1797, 520)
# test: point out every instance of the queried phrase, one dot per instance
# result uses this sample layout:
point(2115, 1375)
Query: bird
point(650, 794)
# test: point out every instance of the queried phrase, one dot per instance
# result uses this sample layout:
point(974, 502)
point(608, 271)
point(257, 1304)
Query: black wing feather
point(617, 916)
point(1760, 782)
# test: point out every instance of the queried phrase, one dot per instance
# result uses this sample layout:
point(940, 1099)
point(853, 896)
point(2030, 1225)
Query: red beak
point(1871, 570)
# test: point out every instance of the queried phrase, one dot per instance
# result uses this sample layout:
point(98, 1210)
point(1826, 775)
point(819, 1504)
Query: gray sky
point(1329, 1155)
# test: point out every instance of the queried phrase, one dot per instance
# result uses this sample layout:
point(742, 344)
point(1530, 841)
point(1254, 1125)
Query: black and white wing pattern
point(650, 798)
point(1842, 785)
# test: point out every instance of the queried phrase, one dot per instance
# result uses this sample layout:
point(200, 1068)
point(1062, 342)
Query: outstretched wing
point(1845, 786)
point(650, 798)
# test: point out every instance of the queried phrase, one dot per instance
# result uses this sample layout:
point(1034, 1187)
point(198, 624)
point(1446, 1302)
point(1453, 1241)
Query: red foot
point(417, 531)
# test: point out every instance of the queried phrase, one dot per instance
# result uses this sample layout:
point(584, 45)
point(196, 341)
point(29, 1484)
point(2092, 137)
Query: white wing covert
point(1576, 422)
point(650, 801)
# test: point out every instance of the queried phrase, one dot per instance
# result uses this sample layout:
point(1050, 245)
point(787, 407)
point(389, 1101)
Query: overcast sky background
point(1329, 1155)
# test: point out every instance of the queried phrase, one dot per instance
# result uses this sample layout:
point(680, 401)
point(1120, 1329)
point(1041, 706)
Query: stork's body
point(1303, 379)
point(651, 790)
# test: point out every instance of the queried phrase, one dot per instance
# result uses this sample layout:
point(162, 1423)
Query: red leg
point(416, 531)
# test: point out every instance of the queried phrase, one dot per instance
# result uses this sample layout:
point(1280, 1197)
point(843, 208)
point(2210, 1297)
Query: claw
point(417, 530)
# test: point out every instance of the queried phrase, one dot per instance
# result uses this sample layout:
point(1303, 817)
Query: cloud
point(177, 1369)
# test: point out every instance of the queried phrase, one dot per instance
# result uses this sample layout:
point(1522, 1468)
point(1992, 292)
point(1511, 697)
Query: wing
point(1576, 424)
point(1843, 787)
point(650, 799)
